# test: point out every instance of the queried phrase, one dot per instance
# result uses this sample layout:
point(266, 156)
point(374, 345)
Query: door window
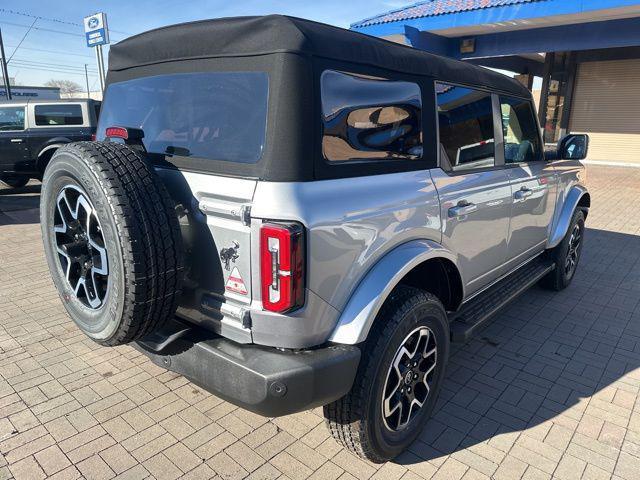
point(58, 115)
point(370, 118)
point(465, 118)
point(11, 118)
point(521, 138)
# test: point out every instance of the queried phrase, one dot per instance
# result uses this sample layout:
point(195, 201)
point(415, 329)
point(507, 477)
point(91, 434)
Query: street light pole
point(5, 72)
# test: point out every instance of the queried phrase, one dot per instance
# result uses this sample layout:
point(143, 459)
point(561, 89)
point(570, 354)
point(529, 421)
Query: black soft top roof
point(250, 36)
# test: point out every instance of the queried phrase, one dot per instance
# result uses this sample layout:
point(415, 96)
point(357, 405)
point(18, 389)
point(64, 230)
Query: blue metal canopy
point(509, 32)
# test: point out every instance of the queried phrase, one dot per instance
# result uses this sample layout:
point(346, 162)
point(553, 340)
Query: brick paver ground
point(549, 389)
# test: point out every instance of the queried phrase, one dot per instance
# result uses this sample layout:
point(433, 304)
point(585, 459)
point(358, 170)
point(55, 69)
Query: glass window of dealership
point(585, 55)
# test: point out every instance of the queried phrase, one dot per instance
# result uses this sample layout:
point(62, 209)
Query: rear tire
point(566, 255)
point(14, 181)
point(112, 241)
point(359, 420)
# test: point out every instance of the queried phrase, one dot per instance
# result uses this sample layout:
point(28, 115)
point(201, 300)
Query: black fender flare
point(48, 149)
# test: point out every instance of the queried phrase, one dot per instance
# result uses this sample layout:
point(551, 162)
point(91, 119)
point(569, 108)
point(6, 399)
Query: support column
point(572, 69)
point(544, 92)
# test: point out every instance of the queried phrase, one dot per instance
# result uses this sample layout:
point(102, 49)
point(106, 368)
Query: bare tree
point(66, 86)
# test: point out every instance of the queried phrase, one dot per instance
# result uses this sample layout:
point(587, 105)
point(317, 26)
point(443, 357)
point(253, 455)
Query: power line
point(49, 64)
point(15, 12)
point(54, 71)
point(29, 59)
point(56, 20)
point(58, 52)
point(50, 30)
point(22, 39)
point(25, 61)
point(52, 67)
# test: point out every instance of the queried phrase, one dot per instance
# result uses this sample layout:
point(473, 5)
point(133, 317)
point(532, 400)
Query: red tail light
point(93, 137)
point(282, 266)
point(117, 132)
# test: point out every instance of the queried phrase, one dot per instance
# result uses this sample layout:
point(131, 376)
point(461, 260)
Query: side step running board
point(480, 309)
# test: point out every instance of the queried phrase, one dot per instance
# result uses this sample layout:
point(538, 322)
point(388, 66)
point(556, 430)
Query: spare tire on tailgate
point(112, 240)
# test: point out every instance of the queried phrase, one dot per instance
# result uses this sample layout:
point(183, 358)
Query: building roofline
point(440, 8)
point(451, 14)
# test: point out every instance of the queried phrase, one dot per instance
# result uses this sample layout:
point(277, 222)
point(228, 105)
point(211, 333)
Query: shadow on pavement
point(544, 355)
point(20, 205)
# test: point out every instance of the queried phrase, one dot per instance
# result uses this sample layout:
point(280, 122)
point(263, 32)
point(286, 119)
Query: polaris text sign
point(96, 30)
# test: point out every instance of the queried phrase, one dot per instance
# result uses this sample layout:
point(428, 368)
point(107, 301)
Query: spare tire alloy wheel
point(80, 246)
point(112, 241)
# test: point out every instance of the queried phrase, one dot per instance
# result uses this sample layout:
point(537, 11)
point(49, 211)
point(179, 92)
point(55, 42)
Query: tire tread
point(148, 234)
point(344, 417)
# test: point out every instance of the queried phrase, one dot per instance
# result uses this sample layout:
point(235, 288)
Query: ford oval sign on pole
point(95, 30)
point(97, 34)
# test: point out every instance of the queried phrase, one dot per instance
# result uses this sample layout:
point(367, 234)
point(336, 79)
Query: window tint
point(213, 115)
point(11, 118)
point(465, 118)
point(370, 118)
point(60, 114)
point(521, 138)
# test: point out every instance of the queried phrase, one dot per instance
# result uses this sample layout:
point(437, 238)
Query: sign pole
point(100, 60)
point(5, 71)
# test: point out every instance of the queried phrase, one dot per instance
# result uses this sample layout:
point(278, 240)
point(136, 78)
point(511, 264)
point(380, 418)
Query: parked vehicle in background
point(32, 130)
point(294, 215)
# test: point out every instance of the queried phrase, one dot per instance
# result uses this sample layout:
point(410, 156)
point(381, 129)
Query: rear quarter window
point(370, 118)
point(207, 115)
point(58, 115)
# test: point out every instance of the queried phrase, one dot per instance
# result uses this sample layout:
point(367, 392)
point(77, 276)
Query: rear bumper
point(263, 380)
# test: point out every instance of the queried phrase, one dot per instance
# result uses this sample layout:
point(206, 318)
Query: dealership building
point(585, 55)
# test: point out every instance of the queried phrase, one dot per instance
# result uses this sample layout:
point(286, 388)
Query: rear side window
point(209, 115)
point(11, 118)
point(370, 118)
point(52, 115)
point(465, 118)
point(521, 138)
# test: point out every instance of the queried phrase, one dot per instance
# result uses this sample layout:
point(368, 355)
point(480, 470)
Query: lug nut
point(409, 389)
point(415, 376)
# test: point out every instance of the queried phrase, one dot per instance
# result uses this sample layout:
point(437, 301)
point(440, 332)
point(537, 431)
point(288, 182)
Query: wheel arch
point(578, 197)
point(419, 263)
point(47, 151)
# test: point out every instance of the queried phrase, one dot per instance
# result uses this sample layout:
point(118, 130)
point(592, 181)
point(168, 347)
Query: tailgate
point(214, 215)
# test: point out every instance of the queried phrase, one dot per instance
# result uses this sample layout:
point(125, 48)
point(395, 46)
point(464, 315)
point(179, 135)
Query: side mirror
point(573, 147)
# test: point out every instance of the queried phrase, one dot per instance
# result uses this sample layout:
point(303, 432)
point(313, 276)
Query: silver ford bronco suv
point(293, 215)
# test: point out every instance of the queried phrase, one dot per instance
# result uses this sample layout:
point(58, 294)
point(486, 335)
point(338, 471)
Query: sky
point(55, 47)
